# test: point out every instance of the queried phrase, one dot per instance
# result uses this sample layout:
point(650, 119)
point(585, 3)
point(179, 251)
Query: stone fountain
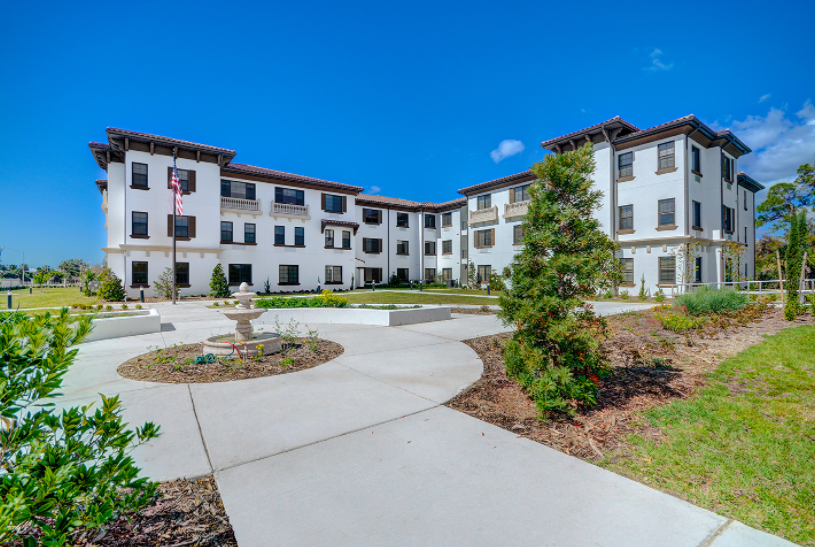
point(244, 339)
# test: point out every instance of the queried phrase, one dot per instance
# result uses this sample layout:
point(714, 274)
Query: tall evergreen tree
point(794, 257)
point(218, 286)
point(555, 353)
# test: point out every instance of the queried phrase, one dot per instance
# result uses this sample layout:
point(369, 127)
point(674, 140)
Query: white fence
point(770, 286)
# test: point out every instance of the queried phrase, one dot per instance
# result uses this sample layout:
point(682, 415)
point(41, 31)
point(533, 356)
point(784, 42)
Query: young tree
point(472, 280)
point(110, 286)
point(73, 267)
point(88, 277)
point(163, 285)
point(555, 353)
point(218, 286)
point(794, 258)
point(41, 278)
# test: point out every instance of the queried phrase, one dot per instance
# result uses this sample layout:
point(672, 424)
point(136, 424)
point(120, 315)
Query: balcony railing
point(515, 209)
point(251, 206)
point(290, 210)
point(483, 215)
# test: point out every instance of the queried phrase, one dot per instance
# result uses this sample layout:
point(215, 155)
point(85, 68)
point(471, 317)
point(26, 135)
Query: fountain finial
point(244, 287)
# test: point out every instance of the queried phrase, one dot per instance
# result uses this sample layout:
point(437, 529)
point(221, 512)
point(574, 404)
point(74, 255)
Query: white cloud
point(780, 141)
point(657, 63)
point(656, 53)
point(765, 97)
point(506, 148)
point(375, 189)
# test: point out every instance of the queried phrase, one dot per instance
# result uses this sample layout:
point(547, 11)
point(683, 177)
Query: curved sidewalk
point(360, 450)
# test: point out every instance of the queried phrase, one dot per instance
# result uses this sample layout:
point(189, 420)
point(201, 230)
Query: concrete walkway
point(360, 451)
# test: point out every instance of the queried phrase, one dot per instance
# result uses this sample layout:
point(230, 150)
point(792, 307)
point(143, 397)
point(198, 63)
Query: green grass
point(414, 297)
point(48, 298)
point(744, 446)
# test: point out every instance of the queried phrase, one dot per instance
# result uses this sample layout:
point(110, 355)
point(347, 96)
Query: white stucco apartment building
point(663, 186)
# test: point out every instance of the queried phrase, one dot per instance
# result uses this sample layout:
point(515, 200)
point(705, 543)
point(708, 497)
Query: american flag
point(179, 210)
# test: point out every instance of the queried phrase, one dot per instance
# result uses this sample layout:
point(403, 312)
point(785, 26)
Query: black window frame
point(402, 220)
point(405, 245)
point(249, 235)
point(400, 272)
point(137, 178)
point(136, 226)
point(430, 221)
point(430, 245)
point(299, 236)
point(279, 235)
point(372, 245)
point(346, 236)
point(182, 229)
point(626, 217)
point(696, 159)
point(184, 181)
point(662, 217)
point(696, 211)
point(371, 216)
point(625, 168)
point(727, 219)
point(329, 238)
point(243, 273)
point(182, 273)
point(331, 272)
point(333, 203)
point(231, 231)
point(250, 189)
point(298, 197)
point(289, 278)
point(698, 267)
point(135, 276)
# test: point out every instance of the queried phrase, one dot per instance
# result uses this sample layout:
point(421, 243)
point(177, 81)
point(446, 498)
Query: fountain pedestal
point(244, 338)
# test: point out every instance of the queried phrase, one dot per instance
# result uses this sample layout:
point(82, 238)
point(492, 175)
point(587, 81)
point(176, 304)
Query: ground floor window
point(240, 273)
point(430, 275)
point(484, 274)
point(697, 278)
point(447, 274)
point(289, 275)
point(333, 274)
point(628, 270)
point(373, 275)
point(139, 273)
point(182, 273)
point(403, 274)
point(517, 234)
point(667, 269)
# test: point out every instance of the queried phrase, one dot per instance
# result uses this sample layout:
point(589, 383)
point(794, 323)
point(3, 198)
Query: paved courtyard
point(361, 451)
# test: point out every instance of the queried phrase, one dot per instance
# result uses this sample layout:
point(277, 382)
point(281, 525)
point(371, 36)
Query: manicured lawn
point(744, 446)
point(47, 298)
point(414, 297)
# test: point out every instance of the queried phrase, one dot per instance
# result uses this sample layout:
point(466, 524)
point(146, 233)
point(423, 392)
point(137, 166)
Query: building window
point(626, 217)
point(240, 273)
point(697, 274)
point(184, 182)
point(237, 190)
point(279, 235)
point(249, 233)
point(484, 274)
point(402, 220)
point(429, 247)
point(626, 164)
point(727, 219)
point(745, 234)
point(666, 212)
point(484, 202)
point(329, 238)
point(182, 273)
point(372, 216)
point(333, 204)
point(464, 253)
point(446, 274)
point(628, 270)
point(517, 234)
point(289, 196)
point(333, 274)
point(447, 247)
point(727, 168)
point(346, 239)
point(182, 226)
point(697, 214)
point(520, 193)
point(139, 273)
point(429, 275)
point(372, 245)
point(430, 221)
point(667, 269)
point(373, 275)
point(226, 231)
point(139, 224)
point(139, 177)
point(402, 248)
point(745, 200)
point(446, 220)
point(666, 155)
point(300, 237)
point(403, 274)
point(696, 160)
point(289, 275)
point(483, 238)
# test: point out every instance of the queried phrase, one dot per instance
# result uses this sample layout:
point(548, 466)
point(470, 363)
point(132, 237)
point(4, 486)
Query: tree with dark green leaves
point(110, 286)
point(555, 352)
point(783, 202)
point(74, 266)
point(218, 285)
point(794, 258)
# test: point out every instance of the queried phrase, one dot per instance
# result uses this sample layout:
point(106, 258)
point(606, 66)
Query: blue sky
point(413, 99)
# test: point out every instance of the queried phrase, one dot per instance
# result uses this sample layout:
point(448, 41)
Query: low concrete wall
point(144, 322)
point(356, 316)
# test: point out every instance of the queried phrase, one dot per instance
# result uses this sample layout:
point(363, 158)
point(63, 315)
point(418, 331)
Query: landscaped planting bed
point(483, 310)
point(176, 364)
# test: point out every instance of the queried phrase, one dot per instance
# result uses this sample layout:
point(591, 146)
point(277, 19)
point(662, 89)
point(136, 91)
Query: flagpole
point(175, 207)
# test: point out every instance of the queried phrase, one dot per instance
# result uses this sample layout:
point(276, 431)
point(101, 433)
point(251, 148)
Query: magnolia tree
point(555, 353)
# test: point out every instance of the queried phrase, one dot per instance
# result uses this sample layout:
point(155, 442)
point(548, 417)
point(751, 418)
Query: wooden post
point(780, 276)
point(801, 298)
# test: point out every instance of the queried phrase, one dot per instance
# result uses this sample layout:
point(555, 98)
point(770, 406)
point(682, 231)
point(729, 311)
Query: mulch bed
point(173, 365)
point(652, 366)
point(473, 311)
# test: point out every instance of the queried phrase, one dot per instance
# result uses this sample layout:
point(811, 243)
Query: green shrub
point(677, 320)
point(124, 306)
point(643, 294)
point(218, 285)
point(791, 309)
point(706, 300)
point(659, 296)
point(163, 284)
point(110, 286)
point(61, 472)
point(624, 295)
point(327, 299)
point(138, 306)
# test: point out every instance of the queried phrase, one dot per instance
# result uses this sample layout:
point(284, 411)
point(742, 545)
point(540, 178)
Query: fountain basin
point(222, 344)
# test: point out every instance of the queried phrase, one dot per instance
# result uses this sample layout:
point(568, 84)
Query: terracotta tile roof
point(282, 175)
point(94, 144)
point(329, 222)
point(496, 182)
point(689, 119)
point(615, 119)
point(368, 199)
point(168, 140)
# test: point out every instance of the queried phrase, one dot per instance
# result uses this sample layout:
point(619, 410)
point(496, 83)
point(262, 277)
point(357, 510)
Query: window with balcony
point(372, 216)
point(695, 160)
point(520, 193)
point(484, 202)
point(289, 275)
point(182, 273)
point(333, 275)
point(628, 270)
point(226, 232)
point(139, 273)
point(403, 274)
point(626, 217)
point(483, 274)
point(299, 236)
point(667, 269)
point(329, 238)
point(626, 165)
point(139, 176)
point(402, 220)
point(430, 247)
point(333, 204)
point(289, 196)
point(666, 155)
point(446, 220)
point(240, 273)
point(402, 248)
point(447, 247)
point(279, 235)
point(249, 233)
point(697, 215)
point(237, 190)
point(430, 221)
point(666, 212)
point(346, 239)
point(139, 225)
